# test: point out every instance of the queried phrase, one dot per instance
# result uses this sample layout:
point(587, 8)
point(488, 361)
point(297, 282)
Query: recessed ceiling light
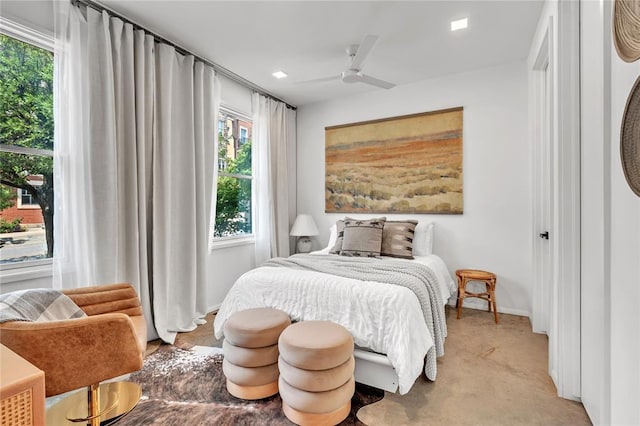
point(279, 74)
point(459, 24)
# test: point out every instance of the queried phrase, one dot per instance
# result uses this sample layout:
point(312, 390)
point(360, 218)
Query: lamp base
point(304, 245)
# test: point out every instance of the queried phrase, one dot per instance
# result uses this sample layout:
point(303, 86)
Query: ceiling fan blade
point(363, 51)
point(375, 81)
point(319, 80)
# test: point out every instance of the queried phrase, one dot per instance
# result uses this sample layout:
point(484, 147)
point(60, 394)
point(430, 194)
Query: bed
point(393, 307)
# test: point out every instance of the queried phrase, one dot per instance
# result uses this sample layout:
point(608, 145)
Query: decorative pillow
point(423, 241)
point(339, 237)
point(362, 237)
point(397, 238)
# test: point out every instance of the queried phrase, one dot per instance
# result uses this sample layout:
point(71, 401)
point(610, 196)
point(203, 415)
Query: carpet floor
point(187, 387)
point(491, 374)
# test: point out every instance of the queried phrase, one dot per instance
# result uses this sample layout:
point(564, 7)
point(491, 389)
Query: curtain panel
point(274, 127)
point(134, 149)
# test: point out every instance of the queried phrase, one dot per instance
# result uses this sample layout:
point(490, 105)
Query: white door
point(543, 194)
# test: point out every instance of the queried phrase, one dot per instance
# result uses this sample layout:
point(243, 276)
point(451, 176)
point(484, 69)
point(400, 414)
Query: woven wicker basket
point(626, 29)
point(630, 139)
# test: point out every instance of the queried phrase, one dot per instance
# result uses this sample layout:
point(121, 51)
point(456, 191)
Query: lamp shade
point(304, 226)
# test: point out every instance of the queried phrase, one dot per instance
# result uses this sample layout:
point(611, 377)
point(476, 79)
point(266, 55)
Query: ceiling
point(307, 39)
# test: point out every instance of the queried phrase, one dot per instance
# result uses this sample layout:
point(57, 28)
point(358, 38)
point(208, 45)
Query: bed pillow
point(332, 241)
point(333, 236)
point(337, 246)
point(397, 238)
point(423, 241)
point(362, 238)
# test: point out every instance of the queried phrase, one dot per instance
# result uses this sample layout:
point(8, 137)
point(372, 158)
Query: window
point(244, 135)
point(25, 198)
point(26, 144)
point(234, 207)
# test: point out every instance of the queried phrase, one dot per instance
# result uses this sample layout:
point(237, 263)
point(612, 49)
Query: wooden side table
point(488, 278)
point(21, 391)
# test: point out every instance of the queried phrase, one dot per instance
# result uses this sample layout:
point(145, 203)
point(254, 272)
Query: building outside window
point(25, 199)
point(234, 206)
point(244, 135)
point(26, 145)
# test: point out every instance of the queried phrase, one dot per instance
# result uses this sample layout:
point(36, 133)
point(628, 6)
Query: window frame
point(21, 205)
point(238, 239)
point(40, 268)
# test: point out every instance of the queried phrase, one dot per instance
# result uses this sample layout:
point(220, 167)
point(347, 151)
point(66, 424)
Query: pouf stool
point(251, 352)
point(316, 372)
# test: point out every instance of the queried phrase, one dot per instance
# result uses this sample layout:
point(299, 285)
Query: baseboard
point(482, 306)
point(215, 308)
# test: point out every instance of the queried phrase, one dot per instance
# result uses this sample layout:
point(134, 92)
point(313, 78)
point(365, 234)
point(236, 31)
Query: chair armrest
point(77, 352)
point(105, 299)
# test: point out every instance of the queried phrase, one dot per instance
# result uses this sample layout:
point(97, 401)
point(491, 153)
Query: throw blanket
point(417, 277)
point(37, 305)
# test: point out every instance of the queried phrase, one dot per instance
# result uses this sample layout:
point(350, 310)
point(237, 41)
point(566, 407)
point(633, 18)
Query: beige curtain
point(275, 170)
point(135, 143)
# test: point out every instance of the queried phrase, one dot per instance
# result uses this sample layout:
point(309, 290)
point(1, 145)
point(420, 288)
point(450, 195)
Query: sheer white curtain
point(134, 146)
point(274, 133)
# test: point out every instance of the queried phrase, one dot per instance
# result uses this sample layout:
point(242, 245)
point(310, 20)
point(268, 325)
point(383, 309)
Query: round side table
point(488, 278)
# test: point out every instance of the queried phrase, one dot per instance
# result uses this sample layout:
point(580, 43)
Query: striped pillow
point(362, 238)
point(397, 238)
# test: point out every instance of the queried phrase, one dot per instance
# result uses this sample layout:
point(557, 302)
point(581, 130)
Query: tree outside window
point(234, 202)
point(26, 141)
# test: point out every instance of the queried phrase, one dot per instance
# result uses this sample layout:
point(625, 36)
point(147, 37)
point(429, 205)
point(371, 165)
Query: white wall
point(610, 232)
point(624, 286)
point(493, 232)
point(36, 14)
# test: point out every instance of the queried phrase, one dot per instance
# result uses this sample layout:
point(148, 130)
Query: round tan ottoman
point(251, 352)
point(316, 366)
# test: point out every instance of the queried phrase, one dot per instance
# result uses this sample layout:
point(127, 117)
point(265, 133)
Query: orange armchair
point(109, 342)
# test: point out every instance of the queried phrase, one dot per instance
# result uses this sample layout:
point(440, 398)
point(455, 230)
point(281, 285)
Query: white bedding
point(382, 317)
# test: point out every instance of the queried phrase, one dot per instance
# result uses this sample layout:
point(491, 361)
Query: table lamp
point(304, 227)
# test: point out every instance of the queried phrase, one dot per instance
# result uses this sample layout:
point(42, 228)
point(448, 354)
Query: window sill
point(37, 269)
point(226, 242)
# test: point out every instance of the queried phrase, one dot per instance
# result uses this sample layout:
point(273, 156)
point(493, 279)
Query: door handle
point(544, 235)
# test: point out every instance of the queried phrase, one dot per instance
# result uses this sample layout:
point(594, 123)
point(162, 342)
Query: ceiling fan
point(353, 74)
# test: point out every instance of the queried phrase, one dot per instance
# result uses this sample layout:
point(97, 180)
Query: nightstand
point(21, 391)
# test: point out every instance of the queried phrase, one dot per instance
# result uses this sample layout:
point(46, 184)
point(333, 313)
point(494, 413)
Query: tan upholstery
point(316, 402)
point(316, 366)
point(317, 380)
point(79, 352)
point(255, 328)
point(315, 345)
point(313, 419)
point(250, 376)
point(251, 352)
point(250, 357)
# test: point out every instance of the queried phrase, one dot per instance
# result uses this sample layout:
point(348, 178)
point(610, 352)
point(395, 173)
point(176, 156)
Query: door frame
point(542, 89)
point(560, 318)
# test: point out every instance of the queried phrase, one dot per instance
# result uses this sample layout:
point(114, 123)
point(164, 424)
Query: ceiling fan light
point(350, 76)
point(460, 24)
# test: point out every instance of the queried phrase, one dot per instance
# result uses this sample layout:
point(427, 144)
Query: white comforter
point(382, 317)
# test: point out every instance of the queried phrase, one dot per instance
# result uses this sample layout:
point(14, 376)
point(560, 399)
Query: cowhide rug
point(186, 387)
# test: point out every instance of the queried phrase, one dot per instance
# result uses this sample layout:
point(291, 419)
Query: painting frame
point(408, 164)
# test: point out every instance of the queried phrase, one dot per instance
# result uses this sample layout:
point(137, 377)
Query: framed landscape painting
point(406, 164)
